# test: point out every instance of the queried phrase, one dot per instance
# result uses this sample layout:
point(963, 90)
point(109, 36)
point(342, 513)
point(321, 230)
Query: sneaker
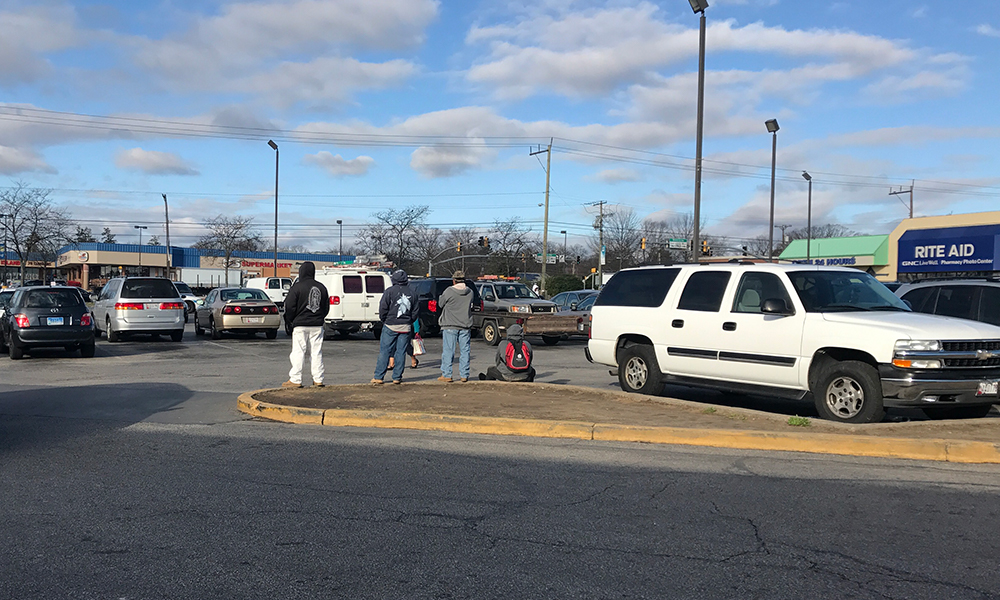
point(320, 384)
point(291, 384)
point(377, 382)
point(444, 379)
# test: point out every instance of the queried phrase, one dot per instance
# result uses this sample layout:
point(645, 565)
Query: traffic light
point(577, 259)
point(486, 242)
point(643, 244)
point(460, 246)
point(746, 252)
point(704, 248)
point(481, 244)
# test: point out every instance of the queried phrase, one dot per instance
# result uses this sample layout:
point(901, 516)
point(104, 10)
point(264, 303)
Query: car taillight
point(482, 306)
point(22, 321)
point(171, 306)
point(590, 330)
point(129, 306)
point(271, 309)
point(85, 320)
point(334, 300)
point(228, 310)
point(432, 305)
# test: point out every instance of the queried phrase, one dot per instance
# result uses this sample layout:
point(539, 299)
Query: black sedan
point(47, 317)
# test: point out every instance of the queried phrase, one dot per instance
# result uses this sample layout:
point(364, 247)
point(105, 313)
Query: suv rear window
point(149, 288)
point(51, 299)
point(644, 287)
point(704, 291)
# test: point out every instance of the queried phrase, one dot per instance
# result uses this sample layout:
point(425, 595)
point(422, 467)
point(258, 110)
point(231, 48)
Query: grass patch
point(736, 417)
point(710, 410)
point(799, 421)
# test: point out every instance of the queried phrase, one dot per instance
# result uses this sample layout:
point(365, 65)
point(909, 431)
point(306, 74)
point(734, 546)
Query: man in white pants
point(306, 306)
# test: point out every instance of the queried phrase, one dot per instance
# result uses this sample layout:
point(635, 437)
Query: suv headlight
point(918, 345)
point(520, 309)
point(900, 359)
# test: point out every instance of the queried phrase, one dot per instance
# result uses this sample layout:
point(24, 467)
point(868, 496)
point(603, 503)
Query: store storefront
point(947, 246)
point(868, 253)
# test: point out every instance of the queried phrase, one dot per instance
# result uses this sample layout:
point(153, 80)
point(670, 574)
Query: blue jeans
point(392, 344)
point(464, 339)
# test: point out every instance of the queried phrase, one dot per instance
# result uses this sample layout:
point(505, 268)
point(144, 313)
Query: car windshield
point(243, 294)
point(51, 298)
point(149, 288)
point(183, 288)
point(514, 290)
point(587, 302)
point(832, 291)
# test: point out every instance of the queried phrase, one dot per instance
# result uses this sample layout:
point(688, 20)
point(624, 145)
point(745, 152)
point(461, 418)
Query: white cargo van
point(276, 288)
point(354, 298)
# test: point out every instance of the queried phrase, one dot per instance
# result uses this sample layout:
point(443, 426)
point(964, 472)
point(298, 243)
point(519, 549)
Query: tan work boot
point(444, 379)
point(291, 384)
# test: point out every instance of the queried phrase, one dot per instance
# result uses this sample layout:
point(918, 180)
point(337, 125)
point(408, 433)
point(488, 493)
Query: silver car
point(149, 305)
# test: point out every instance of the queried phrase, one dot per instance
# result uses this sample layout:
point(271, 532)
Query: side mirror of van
point(776, 306)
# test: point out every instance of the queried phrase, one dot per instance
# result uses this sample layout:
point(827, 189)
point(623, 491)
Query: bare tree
point(228, 235)
point(622, 238)
point(427, 244)
point(510, 242)
point(392, 233)
point(34, 227)
point(659, 233)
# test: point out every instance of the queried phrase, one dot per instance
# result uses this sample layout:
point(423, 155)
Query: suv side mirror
point(776, 306)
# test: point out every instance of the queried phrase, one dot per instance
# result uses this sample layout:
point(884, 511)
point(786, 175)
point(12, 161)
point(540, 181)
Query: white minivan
point(354, 298)
point(276, 288)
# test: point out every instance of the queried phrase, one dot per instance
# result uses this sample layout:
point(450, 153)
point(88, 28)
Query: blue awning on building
point(949, 249)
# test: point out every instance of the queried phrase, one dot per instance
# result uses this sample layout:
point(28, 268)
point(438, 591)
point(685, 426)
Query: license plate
point(152, 306)
point(987, 388)
point(253, 319)
point(54, 321)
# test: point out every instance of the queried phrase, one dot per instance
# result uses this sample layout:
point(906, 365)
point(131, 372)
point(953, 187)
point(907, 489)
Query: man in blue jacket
point(397, 310)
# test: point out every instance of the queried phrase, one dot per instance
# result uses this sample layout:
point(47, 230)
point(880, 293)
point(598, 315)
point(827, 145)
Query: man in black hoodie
point(306, 306)
point(397, 311)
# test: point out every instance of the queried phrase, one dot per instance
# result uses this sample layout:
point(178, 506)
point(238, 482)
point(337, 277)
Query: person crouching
point(514, 357)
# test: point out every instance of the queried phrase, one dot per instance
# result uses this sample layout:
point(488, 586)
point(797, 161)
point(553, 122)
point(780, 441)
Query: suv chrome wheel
point(636, 372)
point(845, 397)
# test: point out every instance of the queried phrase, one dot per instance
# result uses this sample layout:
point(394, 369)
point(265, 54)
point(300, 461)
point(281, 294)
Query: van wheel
point(113, 336)
point(491, 333)
point(216, 333)
point(550, 340)
point(958, 412)
point(176, 336)
point(377, 332)
point(849, 391)
point(638, 371)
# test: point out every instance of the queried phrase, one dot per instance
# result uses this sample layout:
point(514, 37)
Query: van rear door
point(375, 284)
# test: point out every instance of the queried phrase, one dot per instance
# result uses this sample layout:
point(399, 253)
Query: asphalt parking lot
point(199, 365)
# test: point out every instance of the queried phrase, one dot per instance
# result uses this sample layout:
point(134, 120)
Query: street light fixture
point(699, 6)
point(140, 228)
point(809, 212)
point(772, 128)
point(275, 148)
point(341, 223)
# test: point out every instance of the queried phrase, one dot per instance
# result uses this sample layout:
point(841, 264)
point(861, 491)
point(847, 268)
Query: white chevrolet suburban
point(788, 331)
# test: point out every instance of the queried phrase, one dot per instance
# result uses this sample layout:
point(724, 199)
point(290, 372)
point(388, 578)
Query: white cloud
point(988, 30)
point(18, 160)
point(617, 176)
point(338, 166)
point(27, 35)
point(448, 161)
point(919, 13)
point(258, 48)
point(153, 162)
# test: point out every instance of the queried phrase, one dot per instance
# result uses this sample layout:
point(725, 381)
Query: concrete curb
point(956, 451)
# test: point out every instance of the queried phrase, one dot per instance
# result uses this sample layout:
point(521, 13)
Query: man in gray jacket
point(455, 320)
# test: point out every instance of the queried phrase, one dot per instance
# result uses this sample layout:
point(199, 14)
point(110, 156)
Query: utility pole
point(545, 227)
point(902, 191)
point(600, 244)
point(166, 213)
point(782, 228)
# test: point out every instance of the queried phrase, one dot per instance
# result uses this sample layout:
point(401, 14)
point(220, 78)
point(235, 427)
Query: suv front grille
point(543, 309)
point(970, 345)
point(992, 346)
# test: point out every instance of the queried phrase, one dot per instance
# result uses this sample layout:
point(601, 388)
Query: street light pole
point(772, 128)
point(564, 234)
point(166, 215)
point(275, 148)
point(699, 6)
point(140, 228)
point(341, 223)
point(4, 217)
point(809, 212)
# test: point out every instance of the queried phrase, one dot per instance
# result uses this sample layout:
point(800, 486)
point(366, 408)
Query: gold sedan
point(237, 309)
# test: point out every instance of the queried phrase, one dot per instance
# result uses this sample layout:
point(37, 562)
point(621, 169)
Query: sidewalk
point(548, 410)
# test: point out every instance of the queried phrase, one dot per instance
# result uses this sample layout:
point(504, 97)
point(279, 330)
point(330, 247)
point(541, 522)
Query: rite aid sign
point(950, 249)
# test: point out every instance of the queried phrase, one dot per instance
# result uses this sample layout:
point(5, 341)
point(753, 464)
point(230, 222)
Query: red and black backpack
point(517, 358)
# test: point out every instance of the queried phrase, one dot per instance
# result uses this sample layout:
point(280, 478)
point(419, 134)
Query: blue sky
point(378, 104)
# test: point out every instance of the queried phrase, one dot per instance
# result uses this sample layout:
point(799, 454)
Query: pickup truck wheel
point(849, 392)
point(958, 412)
point(638, 371)
point(491, 333)
point(550, 340)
